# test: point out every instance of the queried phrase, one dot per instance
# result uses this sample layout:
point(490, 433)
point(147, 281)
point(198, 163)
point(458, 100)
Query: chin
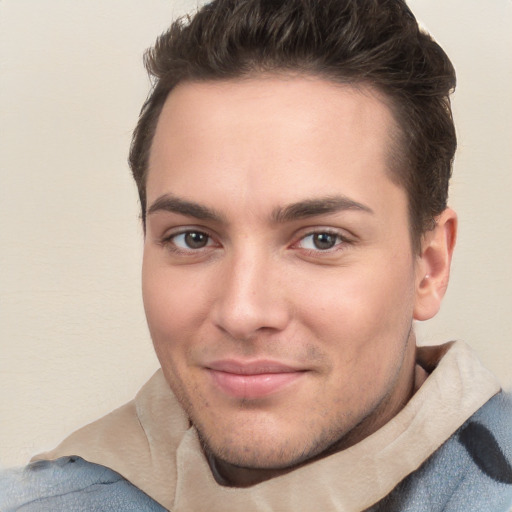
point(265, 449)
point(257, 459)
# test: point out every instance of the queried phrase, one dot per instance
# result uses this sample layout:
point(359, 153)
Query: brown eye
point(191, 240)
point(196, 240)
point(323, 241)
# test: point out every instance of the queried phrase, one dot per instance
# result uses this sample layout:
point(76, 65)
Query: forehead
point(273, 137)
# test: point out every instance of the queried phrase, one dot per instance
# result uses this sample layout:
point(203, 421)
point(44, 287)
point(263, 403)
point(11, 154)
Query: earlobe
point(433, 269)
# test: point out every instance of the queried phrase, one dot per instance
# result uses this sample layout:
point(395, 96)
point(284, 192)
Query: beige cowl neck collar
point(150, 442)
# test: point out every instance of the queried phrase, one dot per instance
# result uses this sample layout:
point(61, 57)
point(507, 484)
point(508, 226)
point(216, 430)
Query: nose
point(251, 296)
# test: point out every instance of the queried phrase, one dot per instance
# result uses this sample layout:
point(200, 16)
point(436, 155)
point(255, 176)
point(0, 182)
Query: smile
point(254, 380)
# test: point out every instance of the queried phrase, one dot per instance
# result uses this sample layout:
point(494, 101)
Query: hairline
point(395, 165)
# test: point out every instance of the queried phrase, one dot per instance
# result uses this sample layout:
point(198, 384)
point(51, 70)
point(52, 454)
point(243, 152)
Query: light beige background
point(73, 338)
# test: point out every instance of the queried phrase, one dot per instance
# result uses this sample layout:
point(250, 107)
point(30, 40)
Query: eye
point(191, 240)
point(321, 241)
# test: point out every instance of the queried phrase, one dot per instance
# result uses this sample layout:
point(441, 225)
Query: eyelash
point(169, 242)
point(340, 243)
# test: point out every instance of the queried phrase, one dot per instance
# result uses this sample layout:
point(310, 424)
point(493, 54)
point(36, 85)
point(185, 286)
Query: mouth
point(252, 380)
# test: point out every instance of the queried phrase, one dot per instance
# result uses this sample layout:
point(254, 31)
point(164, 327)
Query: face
point(278, 274)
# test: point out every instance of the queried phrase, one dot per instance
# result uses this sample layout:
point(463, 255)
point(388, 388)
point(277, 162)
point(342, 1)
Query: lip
point(252, 380)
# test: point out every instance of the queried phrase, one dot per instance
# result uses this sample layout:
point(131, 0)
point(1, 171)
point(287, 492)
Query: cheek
point(173, 304)
point(363, 313)
point(361, 297)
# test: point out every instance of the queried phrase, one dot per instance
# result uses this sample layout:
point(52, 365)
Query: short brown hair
point(372, 42)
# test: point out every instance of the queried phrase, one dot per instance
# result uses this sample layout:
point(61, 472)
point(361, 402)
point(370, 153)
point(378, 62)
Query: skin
point(232, 271)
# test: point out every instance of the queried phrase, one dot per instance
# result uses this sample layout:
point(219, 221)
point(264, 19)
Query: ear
point(433, 265)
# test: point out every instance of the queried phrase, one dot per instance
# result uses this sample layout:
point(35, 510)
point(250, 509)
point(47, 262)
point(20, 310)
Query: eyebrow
point(314, 207)
point(173, 204)
point(294, 211)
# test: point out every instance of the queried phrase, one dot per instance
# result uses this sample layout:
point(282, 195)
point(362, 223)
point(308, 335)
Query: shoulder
point(472, 470)
point(70, 484)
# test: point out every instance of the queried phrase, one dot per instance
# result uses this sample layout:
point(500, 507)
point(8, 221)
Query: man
point(292, 163)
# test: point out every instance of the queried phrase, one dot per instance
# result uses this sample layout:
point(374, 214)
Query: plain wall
point(74, 343)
